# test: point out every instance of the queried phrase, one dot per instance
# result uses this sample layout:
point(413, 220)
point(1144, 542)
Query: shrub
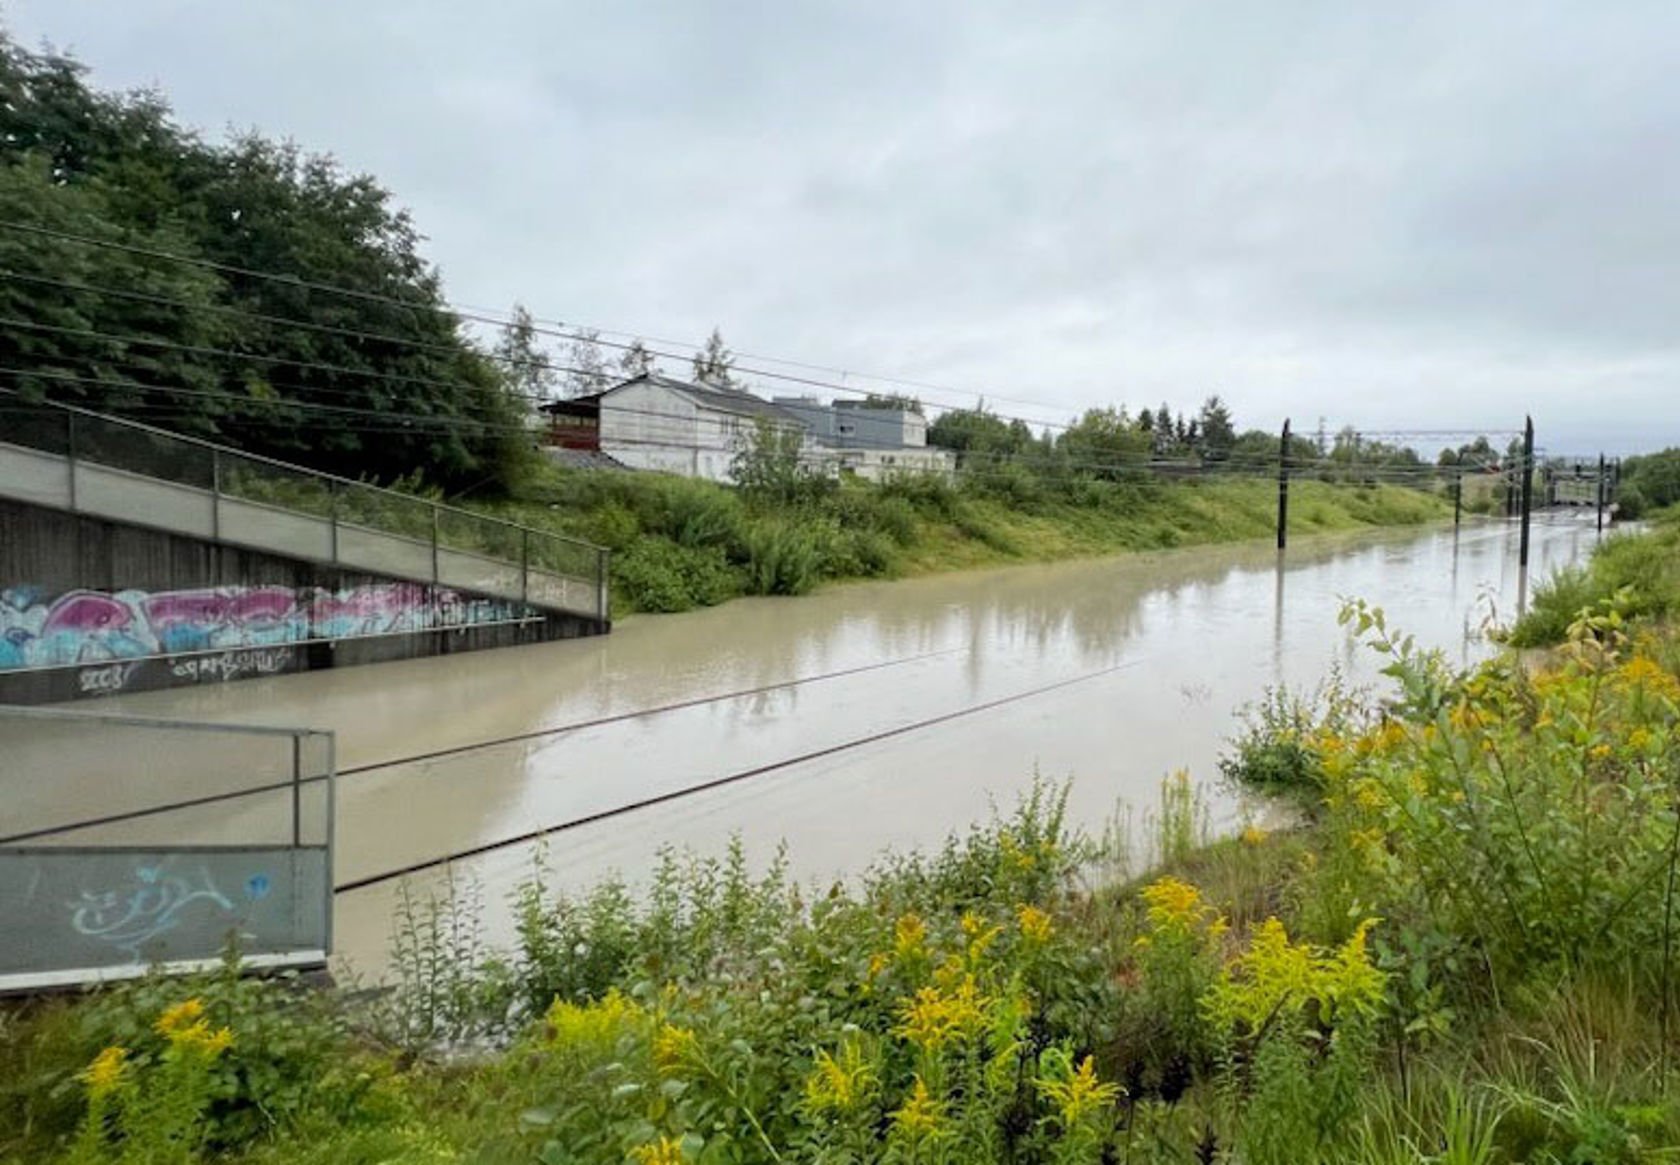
point(1278, 748)
point(782, 558)
point(655, 574)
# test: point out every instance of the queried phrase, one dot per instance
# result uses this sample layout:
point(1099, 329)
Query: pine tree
point(715, 363)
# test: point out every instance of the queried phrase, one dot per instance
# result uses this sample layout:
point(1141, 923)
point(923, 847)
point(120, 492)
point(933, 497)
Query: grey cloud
point(1419, 214)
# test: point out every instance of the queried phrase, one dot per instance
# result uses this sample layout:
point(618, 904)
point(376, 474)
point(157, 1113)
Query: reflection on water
point(1206, 631)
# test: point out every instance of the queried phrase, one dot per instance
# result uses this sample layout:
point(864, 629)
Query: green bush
point(1639, 573)
point(656, 574)
point(782, 558)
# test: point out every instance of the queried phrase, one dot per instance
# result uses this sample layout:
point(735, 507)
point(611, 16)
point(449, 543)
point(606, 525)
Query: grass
point(1638, 574)
point(681, 543)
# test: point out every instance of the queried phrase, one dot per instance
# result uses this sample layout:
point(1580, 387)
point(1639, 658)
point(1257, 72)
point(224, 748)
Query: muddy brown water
point(1142, 661)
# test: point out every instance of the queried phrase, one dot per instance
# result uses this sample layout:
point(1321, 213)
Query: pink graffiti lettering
point(262, 605)
point(203, 608)
point(85, 612)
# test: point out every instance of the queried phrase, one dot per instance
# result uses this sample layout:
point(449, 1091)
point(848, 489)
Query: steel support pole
point(1599, 494)
point(524, 565)
point(1283, 488)
point(1527, 494)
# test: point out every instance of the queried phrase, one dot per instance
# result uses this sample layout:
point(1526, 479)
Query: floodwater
point(1111, 673)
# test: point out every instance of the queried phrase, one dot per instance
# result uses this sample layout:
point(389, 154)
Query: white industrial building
point(674, 426)
point(695, 430)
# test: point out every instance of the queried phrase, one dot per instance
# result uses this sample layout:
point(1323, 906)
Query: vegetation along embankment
point(1464, 953)
point(680, 543)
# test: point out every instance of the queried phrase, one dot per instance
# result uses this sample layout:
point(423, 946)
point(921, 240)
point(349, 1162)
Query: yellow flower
point(839, 1085)
point(1076, 1092)
point(980, 936)
point(673, 1047)
point(909, 934)
point(106, 1072)
point(934, 1018)
point(664, 1151)
point(1013, 854)
point(877, 963)
point(1253, 835)
point(1368, 794)
point(1274, 973)
point(1036, 926)
point(596, 1026)
point(1171, 899)
point(179, 1017)
point(1351, 980)
point(186, 1029)
point(920, 1114)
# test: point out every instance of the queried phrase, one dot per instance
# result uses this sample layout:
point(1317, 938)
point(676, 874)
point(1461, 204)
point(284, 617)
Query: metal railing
point(131, 843)
point(113, 467)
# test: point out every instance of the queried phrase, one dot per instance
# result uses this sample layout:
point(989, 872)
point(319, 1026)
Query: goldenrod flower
point(106, 1072)
point(673, 1047)
point(593, 1026)
point(179, 1017)
point(664, 1151)
point(1036, 926)
point(839, 1085)
point(934, 1018)
point(909, 934)
point(1253, 835)
point(1076, 1092)
point(920, 1114)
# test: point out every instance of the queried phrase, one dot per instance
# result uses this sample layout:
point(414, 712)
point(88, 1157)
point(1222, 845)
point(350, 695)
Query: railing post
point(216, 494)
point(436, 577)
point(332, 517)
point(603, 561)
point(297, 791)
point(1458, 494)
point(70, 453)
point(524, 564)
point(1283, 488)
point(331, 840)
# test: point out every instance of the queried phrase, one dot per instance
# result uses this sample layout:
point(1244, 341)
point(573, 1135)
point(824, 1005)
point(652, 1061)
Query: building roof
point(723, 400)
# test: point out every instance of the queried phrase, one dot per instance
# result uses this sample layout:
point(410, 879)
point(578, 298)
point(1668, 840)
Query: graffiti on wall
point(98, 627)
point(133, 917)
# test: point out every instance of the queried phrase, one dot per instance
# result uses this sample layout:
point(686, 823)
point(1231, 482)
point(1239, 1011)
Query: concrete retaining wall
point(92, 607)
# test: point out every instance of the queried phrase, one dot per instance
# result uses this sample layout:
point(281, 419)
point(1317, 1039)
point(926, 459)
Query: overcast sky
point(1403, 215)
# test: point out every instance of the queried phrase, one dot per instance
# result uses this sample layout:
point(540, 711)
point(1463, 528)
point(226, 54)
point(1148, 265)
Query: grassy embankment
point(1465, 954)
point(680, 543)
point(1636, 573)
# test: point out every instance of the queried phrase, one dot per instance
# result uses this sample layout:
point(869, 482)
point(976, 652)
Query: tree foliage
point(715, 363)
point(586, 369)
point(636, 360)
point(377, 379)
point(524, 365)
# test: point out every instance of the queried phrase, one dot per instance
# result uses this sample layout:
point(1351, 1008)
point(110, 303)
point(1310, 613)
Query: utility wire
point(460, 749)
point(719, 782)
